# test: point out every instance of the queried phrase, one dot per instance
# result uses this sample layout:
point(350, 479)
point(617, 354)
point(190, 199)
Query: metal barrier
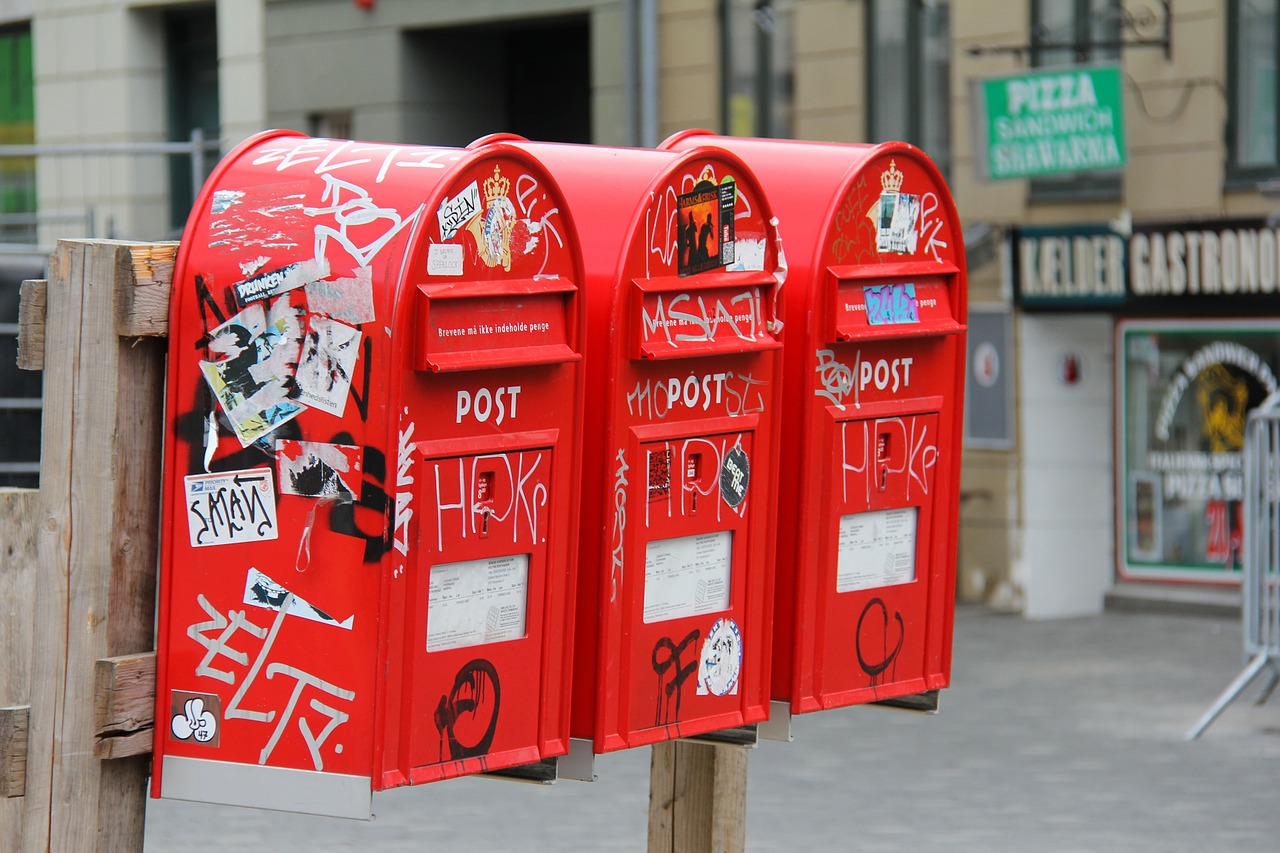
point(1261, 580)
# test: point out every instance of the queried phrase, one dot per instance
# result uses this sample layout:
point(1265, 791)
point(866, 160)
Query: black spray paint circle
point(735, 475)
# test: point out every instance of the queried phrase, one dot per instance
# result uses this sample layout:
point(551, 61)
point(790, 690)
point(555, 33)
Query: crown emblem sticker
point(896, 214)
point(492, 229)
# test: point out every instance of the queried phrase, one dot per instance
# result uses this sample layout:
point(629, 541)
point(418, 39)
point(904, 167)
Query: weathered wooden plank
point(13, 752)
point(124, 694)
point(125, 746)
point(142, 300)
point(31, 311)
point(18, 523)
point(98, 548)
point(697, 798)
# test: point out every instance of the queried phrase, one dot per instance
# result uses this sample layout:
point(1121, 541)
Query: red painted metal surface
point(678, 492)
point(370, 514)
point(875, 304)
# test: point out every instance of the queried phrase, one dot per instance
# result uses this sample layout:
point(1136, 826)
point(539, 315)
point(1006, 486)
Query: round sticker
point(721, 659)
point(735, 474)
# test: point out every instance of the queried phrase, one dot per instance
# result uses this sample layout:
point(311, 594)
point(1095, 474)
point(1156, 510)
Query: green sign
point(1053, 123)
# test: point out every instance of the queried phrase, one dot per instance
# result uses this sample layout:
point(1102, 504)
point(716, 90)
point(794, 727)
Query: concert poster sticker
point(475, 602)
point(252, 375)
point(687, 575)
point(230, 507)
point(876, 549)
point(704, 222)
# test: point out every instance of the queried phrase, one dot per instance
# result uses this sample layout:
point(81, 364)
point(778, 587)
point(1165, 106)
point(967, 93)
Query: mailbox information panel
point(374, 392)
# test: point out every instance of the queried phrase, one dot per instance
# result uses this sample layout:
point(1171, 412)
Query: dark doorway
point(529, 77)
point(191, 66)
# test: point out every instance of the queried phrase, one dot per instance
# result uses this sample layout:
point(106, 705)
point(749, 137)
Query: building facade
point(1110, 367)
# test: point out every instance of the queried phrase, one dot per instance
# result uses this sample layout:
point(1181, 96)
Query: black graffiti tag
point(666, 654)
point(873, 669)
point(468, 716)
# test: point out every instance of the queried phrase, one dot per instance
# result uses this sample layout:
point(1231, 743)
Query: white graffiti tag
point(352, 208)
point(235, 621)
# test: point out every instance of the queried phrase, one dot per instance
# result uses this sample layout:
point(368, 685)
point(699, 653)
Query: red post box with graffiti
point(370, 511)
point(875, 305)
point(675, 564)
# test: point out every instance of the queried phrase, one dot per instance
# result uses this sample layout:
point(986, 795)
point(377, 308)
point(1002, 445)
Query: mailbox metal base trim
point(272, 788)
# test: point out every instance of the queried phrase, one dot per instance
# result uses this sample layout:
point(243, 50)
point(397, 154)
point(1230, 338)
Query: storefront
point(1196, 344)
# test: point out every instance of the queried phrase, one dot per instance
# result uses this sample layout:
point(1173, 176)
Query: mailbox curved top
point(835, 200)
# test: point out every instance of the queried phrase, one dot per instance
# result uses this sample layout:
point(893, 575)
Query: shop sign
point(1185, 391)
point(1197, 268)
point(1051, 123)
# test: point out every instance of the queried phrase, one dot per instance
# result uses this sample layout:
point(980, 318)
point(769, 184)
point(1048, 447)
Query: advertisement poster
point(1186, 389)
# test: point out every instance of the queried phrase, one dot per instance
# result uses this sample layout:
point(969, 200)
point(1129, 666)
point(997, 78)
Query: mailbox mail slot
point(683, 352)
point(370, 512)
point(875, 308)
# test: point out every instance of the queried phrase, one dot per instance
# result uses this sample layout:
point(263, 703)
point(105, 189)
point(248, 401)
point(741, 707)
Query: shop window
point(909, 75)
point(1075, 32)
point(758, 67)
point(1253, 152)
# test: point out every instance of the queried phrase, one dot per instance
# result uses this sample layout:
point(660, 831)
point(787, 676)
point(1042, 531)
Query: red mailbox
point(680, 262)
point(370, 511)
point(875, 307)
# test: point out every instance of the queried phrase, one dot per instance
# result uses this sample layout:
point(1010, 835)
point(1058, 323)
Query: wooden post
point(697, 798)
point(96, 530)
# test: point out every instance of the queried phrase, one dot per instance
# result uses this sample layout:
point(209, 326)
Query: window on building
point(909, 75)
point(1075, 32)
point(758, 67)
point(17, 127)
point(1253, 148)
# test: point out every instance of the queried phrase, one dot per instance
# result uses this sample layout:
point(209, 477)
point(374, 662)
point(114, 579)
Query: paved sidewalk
point(1056, 736)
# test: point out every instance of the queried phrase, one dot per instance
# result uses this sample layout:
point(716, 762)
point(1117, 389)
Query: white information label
point(876, 549)
point(444, 259)
point(687, 576)
point(477, 601)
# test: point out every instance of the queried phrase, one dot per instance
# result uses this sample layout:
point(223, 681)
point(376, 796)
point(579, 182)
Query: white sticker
point(721, 659)
point(455, 212)
point(262, 591)
point(232, 506)
point(477, 601)
point(327, 364)
point(444, 259)
point(876, 549)
point(687, 576)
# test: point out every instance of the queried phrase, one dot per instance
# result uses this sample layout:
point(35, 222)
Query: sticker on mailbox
point(705, 223)
point(891, 304)
point(721, 659)
point(195, 717)
point(230, 507)
point(735, 475)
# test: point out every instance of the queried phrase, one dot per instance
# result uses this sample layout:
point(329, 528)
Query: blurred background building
point(1114, 163)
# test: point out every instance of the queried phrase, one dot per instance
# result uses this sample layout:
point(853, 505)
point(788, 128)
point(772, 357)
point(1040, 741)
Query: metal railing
point(196, 147)
point(1260, 584)
point(28, 224)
